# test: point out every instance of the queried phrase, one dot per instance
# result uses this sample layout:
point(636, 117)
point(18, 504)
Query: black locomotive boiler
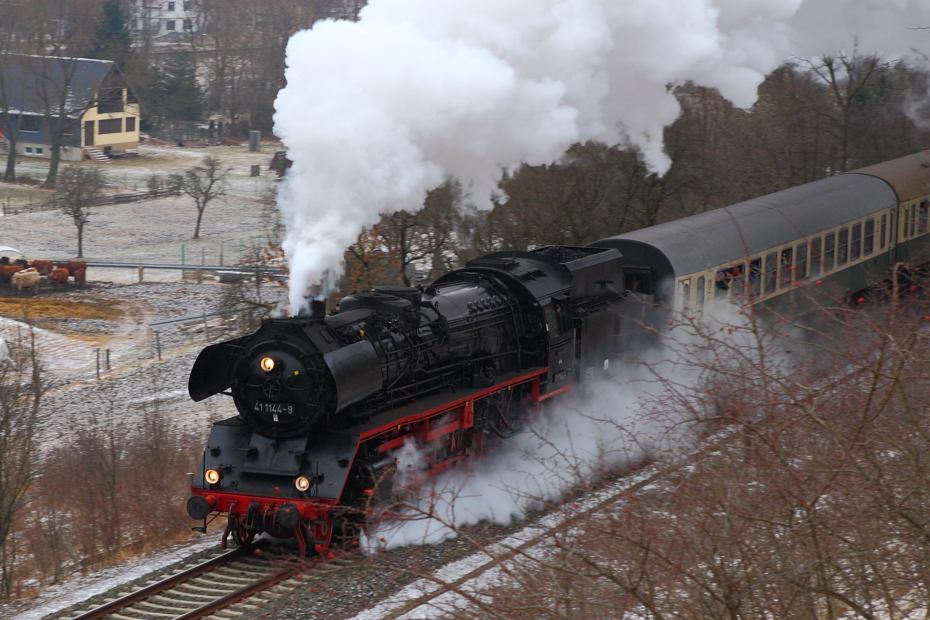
point(454, 367)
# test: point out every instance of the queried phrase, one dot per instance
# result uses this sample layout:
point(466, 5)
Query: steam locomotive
point(454, 367)
point(458, 366)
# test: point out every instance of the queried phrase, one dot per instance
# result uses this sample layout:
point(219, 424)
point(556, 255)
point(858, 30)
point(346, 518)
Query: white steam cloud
point(377, 112)
point(561, 451)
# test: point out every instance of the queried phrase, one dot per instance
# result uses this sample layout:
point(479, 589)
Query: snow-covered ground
point(133, 174)
point(156, 231)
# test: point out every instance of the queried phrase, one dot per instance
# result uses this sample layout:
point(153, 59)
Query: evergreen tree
point(175, 93)
point(112, 39)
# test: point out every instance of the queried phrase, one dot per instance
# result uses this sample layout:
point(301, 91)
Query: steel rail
point(164, 584)
point(242, 593)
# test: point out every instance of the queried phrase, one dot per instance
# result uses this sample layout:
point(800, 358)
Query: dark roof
point(909, 175)
point(728, 234)
point(28, 82)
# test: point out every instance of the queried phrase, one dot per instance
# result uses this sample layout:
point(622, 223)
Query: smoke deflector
point(356, 370)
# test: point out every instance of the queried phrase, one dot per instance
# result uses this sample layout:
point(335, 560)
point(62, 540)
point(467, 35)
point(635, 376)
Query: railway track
point(227, 586)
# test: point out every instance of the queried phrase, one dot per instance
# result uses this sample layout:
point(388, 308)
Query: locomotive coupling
point(199, 507)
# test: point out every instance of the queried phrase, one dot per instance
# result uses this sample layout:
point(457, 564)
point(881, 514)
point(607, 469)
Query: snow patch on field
point(61, 355)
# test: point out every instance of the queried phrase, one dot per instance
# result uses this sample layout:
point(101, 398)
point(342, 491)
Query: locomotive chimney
point(314, 308)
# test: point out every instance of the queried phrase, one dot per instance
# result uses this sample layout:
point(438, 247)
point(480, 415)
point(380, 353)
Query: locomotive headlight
point(212, 476)
point(302, 483)
point(267, 364)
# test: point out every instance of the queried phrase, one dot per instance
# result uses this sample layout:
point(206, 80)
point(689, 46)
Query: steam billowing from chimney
point(377, 112)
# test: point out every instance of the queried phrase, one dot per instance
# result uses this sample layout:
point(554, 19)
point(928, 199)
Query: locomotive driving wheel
point(240, 536)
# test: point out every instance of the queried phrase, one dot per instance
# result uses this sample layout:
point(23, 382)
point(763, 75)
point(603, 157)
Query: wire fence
point(113, 199)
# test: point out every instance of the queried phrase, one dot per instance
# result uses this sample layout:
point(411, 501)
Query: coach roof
point(731, 233)
point(909, 175)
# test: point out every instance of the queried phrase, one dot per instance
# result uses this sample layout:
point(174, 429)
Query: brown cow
point(59, 277)
point(27, 278)
point(43, 266)
point(80, 276)
point(72, 266)
point(7, 271)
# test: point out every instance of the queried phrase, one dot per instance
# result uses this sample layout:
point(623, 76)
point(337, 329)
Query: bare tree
point(21, 390)
point(203, 183)
point(9, 122)
point(848, 78)
point(79, 188)
point(59, 33)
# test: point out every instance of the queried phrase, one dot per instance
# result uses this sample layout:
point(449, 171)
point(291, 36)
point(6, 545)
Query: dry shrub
point(111, 488)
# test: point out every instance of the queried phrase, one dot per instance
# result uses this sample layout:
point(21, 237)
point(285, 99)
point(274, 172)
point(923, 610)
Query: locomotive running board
point(438, 404)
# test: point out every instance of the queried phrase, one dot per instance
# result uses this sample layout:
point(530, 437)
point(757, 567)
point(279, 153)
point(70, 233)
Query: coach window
point(914, 220)
point(771, 271)
point(786, 263)
point(815, 257)
point(881, 233)
point(868, 241)
point(722, 283)
point(700, 293)
point(842, 248)
point(738, 280)
point(902, 223)
point(855, 246)
point(924, 206)
point(685, 294)
point(755, 275)
point(829, 251)
point(800, 264)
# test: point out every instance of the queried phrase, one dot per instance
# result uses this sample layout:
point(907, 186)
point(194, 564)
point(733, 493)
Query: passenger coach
point(840, 235)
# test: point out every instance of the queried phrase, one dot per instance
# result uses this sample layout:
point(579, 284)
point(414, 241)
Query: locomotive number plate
point(274, 408)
